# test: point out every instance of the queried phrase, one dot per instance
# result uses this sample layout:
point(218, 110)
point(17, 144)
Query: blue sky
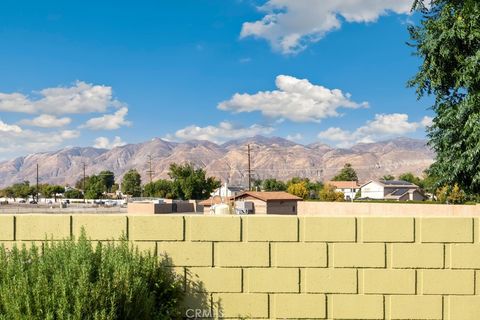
point(105, 73)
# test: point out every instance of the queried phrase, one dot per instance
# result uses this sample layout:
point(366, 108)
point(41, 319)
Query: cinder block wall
point(299, 267)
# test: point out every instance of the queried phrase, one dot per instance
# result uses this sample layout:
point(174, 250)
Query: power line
point(249, 168)
point(150, 172)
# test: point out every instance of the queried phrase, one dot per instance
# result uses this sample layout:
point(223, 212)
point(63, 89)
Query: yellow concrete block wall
point(287, 267)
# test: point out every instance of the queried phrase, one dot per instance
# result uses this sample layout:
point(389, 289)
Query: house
point(228, 191)
point(275, 202)
point(391, 190)
point(348, 188)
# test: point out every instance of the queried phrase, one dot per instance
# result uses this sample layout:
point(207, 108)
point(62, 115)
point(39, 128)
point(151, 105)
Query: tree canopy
point(448, 42)
point(191, 183)
point(347, 173)
point(132, 183)
point(273, 184)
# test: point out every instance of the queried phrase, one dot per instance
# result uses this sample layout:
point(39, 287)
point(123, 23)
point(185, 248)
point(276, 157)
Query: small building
point(228, 191)
point(278, 202)
point(348, 188)
point(398, 190)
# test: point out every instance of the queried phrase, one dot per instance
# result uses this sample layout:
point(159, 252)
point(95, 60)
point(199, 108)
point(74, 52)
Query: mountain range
point(270, 157)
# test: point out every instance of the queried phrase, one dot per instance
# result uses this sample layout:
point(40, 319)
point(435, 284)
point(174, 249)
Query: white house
point(228, 191)
point(391, 190)
point(348, 188)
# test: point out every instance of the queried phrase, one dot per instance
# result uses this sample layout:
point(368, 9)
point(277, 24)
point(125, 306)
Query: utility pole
point(37, 185)
point(150, 171)
point(249, 169)
point(84, 177)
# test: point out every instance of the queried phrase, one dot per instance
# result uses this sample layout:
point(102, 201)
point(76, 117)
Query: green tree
point(448, 41)
point(95, 188)
point(48, 190)
point(456, 195)
point(347, 173)
point(108, 180)
point(298, 189)
point(328, 193)
point(410, 177)
point(23, 190)
point(132, 183)
point(387, 177)
point(73, 194)
point(191, 183)
point(273, 184)
point(160, 188)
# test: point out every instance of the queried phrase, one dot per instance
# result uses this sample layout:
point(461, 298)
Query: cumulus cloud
point(223, 132)
point(381, 127)
point(105, 143)
point(47, 121)
point(296, 99)
point(290, 25)
point(295, 137)
point(5, 127)
point(19, 141)
point(80, 98)
point(109, 121)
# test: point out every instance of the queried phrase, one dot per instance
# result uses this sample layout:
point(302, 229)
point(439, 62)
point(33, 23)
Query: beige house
point(278, 202)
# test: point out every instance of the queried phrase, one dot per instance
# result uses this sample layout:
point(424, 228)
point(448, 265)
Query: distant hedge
point(72, 280)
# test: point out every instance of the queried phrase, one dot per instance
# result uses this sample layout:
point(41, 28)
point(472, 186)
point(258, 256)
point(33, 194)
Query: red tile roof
point(344, 184)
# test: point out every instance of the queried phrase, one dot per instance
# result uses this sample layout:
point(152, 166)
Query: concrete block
point(447, 230)
point(214, 228)
point(417, 255)
point(322, 280)
point(100, 227)
point(448, 282)
point(42, 227)
point(387, 229)
point(215, 279)
point(298, 306)
point(188, 254)
point(292, 254)
point(357, 255)
point(270, 228)
point(328, 229)
point(272, 280)
point(155, 227)
point(242, 254)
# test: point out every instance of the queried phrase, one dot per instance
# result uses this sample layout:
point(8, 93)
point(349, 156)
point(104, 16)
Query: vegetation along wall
point(298, 267)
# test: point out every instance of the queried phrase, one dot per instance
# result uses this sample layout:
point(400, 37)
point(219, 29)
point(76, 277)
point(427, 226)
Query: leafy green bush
point(72, 280)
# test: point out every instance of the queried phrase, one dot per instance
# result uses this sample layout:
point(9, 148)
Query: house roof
point(343, 184)
point(270, 196)
point(400, 192)
point(211, 201)
point(392, 183)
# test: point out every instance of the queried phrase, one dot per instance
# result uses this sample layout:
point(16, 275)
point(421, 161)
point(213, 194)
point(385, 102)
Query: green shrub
point(72, 280)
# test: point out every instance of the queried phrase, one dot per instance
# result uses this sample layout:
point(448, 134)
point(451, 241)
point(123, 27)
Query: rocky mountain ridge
point(271, 157)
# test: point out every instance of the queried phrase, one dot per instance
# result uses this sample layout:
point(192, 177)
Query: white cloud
point(47, 121)
point(427, 121)
point(382, 127)
point(4, 127)
point(109, 121)
point(105, 143)
point(295, 137)
point(18, 141)
point(223, 132)
point(290, 25)
point(80, 98)
point(296, 99)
